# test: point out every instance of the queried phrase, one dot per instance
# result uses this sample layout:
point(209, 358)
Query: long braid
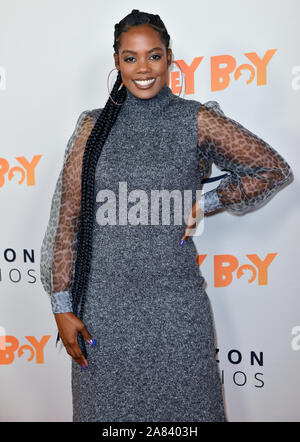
point(91, 155)
point(88, 187)
point(93, 149)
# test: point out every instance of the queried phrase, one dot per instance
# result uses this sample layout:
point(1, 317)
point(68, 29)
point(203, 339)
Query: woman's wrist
point(61, 302)
point(210, 201)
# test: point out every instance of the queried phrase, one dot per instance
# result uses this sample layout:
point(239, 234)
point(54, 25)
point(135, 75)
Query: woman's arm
point(64, 250)
point(255, 169)
point(60, 236)
point(58, 250)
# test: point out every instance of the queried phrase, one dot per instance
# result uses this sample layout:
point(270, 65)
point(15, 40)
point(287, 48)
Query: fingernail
point(84, 367)
point(182, 242)
point(91, 341)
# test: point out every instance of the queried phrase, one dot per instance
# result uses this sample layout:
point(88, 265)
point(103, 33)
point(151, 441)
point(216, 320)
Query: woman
point(126, 291)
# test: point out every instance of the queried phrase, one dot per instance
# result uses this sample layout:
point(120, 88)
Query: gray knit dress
point(146, 308)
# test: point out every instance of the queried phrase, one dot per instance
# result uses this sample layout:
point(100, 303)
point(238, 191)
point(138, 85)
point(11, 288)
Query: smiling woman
point(145, 70)
point(131, 289)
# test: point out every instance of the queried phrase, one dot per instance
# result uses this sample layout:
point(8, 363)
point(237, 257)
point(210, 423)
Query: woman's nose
point(143, 66)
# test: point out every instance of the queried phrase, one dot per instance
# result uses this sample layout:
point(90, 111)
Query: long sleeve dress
point(146, 306)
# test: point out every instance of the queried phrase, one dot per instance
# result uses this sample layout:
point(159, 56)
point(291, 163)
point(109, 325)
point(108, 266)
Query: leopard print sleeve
point(256, 170)
point(58, 247)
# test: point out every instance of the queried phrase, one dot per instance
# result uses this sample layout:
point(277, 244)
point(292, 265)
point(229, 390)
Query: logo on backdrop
point(11, 348)
point(18, 272)
point(223, 70)
point(25, 173)
point(295, 343)
point(2, 79)
point(243, 368)
point(226, 267)
point(296, 78)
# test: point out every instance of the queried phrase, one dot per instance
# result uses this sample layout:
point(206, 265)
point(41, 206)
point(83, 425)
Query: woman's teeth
point(144, 82)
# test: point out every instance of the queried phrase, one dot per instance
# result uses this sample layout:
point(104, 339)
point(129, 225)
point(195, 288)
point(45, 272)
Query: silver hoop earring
point(182, 80)
point(122, 84)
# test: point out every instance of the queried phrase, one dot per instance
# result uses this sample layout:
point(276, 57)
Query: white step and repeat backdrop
point(55, 57)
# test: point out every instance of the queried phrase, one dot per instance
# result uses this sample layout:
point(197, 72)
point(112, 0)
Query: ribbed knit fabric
point(145, 306)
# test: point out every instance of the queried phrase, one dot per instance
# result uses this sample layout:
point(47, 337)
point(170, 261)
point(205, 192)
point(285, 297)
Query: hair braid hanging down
point(91, 155)
point(92, 151)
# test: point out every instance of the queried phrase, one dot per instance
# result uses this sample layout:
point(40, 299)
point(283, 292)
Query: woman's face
point(143, 56)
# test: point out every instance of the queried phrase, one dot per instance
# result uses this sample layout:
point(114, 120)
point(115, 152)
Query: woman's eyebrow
point(133, 52)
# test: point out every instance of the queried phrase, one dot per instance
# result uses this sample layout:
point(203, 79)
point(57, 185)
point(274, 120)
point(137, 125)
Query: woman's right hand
point(69, 325)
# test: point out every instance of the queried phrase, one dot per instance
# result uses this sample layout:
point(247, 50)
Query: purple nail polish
point(92, 342)
point(182, 242)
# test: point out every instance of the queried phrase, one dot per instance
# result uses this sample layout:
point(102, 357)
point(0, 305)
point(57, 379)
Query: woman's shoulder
point(85, 117)
point(190, 103)
point(96, 112)
point(214, 105)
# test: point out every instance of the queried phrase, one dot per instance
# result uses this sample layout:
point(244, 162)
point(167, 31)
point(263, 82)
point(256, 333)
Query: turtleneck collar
point(140, 109)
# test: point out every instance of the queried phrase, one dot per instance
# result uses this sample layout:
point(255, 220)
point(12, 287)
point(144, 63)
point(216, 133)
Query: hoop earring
point(182, 78)
point(122, 84)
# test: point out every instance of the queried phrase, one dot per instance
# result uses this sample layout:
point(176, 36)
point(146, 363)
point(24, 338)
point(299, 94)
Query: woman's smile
point(144, 84)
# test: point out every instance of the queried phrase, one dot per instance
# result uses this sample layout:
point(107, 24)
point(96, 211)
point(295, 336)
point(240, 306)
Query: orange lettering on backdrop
point(240, 272)
point(261, 65)
point(262, 266)
point(243, 67)
point(13, 171)
point(7, 355)
point(30, 167)
point(200, 259)
point(4, 166)
point(188, 73)
point(220, 76)
point(9, 344)
point(39, 347)
point(223, 274)
point(28, 348)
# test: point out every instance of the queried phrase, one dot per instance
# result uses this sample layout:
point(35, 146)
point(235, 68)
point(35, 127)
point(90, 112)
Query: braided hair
point(92, 151)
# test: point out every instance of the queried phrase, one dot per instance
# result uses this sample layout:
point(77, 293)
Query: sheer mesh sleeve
point(256, 170)
point(58, 247)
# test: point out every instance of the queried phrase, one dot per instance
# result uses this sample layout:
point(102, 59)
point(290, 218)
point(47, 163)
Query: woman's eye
point(154, 55)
